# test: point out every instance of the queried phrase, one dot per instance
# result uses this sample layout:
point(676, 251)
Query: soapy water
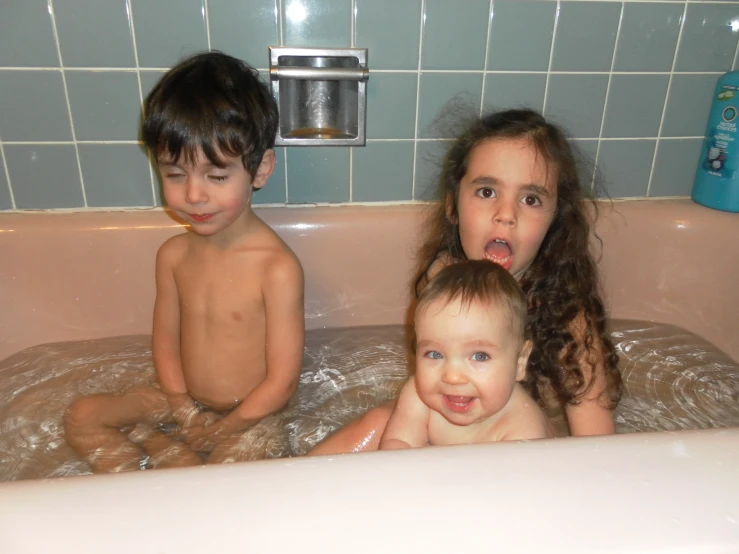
point(672, 380)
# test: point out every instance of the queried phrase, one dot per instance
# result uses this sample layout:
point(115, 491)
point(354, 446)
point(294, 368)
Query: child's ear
point(451, 209)
point(523, 359)
point(265, 169)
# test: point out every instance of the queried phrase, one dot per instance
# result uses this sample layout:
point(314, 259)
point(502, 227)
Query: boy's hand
point(187, 414)
point(206, 438)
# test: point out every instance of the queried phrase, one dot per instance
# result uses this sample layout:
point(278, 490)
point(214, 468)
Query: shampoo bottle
point(717, 178)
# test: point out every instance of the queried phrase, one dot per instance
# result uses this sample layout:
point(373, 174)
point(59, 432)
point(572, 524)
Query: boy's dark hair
point(478, 281)
point(213, 102)
point(561, 284)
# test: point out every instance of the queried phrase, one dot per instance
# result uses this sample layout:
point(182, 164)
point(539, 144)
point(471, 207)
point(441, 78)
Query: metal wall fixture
point(321, 94)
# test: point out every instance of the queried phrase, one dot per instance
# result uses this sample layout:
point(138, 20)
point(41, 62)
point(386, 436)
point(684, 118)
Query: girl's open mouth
point(459, 404)
point(499, 251)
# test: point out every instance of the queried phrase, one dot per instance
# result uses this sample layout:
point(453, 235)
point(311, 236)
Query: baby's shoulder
point(524, 419)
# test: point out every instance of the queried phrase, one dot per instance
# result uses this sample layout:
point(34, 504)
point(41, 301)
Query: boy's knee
point(80, 413)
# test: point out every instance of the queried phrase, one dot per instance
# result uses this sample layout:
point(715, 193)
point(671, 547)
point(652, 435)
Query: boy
point(228, 330)
point(470, 356)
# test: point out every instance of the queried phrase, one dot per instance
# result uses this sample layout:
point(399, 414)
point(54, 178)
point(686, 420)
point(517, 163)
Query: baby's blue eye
point(480, 357)
point(434, 355)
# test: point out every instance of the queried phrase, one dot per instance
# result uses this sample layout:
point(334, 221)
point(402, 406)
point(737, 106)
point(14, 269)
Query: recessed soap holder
point(321, 94)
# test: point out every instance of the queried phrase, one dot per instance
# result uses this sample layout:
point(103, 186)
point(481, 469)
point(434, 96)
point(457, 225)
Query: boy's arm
point(409, 424)
point(166, 336)
point(591, 416)
point(285, 338)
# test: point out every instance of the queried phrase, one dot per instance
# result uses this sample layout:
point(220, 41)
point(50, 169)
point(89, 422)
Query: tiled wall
point(631, 81)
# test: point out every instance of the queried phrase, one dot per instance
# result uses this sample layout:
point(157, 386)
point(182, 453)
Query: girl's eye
point(531, 200)
point(174, 176)
point(485, 192)
point(434, 355)
point(218, 178)
point(480, 357)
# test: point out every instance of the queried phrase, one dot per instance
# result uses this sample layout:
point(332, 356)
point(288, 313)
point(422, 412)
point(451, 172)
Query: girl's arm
point(409, 424)
point(592, 416)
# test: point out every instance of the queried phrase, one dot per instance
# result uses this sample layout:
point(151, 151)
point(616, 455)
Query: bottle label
point(720, 141)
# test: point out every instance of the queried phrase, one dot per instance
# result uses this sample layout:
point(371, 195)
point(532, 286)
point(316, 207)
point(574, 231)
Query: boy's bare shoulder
point(280, 263)
point(173, 249)
point(283, 267)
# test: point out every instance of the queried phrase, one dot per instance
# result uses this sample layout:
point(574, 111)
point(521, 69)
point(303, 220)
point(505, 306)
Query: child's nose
point(505, 213)
point(452, 376)
point(194, 193)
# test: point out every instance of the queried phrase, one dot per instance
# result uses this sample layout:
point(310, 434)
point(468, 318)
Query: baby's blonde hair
point(478, 281)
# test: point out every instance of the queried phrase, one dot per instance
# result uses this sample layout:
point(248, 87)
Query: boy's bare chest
point(228, 286)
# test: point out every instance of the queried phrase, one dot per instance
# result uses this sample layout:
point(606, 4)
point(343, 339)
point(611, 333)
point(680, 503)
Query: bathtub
point(85, 275)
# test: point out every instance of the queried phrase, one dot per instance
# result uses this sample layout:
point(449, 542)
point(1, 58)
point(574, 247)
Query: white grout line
point(66, 97)
point(7, 176)
point(57, 142)
point(287, 194)
point(418, 98)
point(207, 23)
point(351, 173)
point(407, 71)
point(605, 102)
point(352, 24)
point(487, 49)
point(139, 143)
point(279, 9)
point(667, 97)
point(129, 8)
point(71, 68)
point(551, 56)
point(352, 40)
point(736, 52)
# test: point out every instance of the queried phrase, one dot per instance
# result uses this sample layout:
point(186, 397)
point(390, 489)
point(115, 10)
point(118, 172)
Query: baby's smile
point(459, 404)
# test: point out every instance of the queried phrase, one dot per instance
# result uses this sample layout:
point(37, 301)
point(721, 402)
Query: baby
point(228, 329)
point(470, 356)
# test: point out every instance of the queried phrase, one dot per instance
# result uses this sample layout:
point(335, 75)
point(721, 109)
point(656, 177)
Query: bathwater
point(672, 380)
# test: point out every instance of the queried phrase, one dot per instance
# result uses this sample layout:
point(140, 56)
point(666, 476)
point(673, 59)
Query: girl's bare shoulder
point(441, 261)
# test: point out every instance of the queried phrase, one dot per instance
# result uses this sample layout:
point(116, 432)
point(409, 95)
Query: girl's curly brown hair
point(561, 284)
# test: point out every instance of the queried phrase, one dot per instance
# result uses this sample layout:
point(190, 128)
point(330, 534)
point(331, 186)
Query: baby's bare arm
point(285, 337)
point(409, 424)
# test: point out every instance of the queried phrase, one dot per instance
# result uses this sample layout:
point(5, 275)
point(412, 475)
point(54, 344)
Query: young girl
point(511, 194)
